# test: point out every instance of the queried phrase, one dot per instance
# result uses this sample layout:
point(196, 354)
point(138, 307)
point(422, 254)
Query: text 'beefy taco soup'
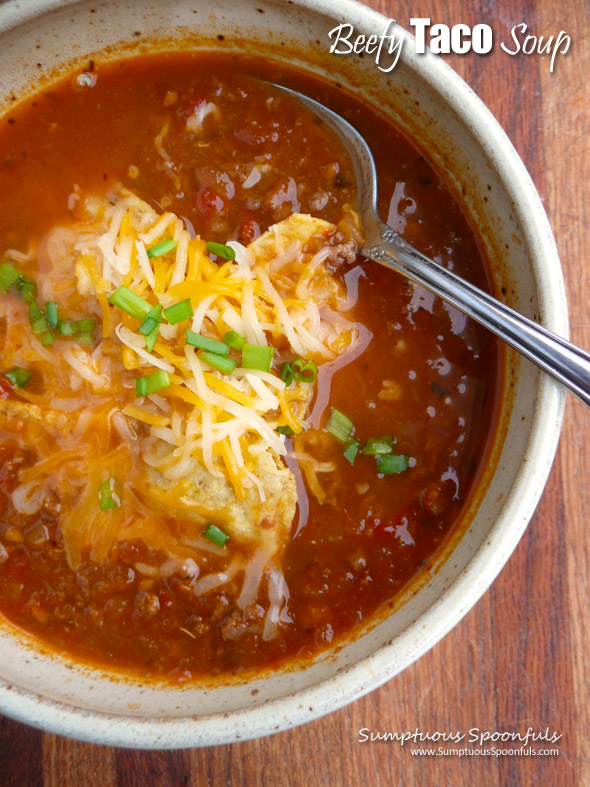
point(226, 440)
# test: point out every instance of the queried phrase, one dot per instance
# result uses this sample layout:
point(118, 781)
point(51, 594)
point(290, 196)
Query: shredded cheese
point(274, 293)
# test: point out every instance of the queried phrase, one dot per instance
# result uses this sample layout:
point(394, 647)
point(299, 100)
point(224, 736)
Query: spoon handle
point(556, 356)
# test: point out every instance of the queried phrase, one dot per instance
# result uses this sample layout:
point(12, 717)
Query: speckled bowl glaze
point(434, 106)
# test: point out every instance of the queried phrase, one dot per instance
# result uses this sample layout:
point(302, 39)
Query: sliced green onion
point(378, 445)
point(220, 362)
point(152, 338)
point(234, 340)
point(254, 356)
point(26, 288)
point(163, 247)
point(304, 372)
point(52, 318)
point(8, 276)
point(148, 326)
point(85, 331)
point(109, 494)
point(48, 339)
point(205, 343)
point(179, 311)
point(152, 320)
point(157, 381)
point(391, 464)
point(339, 425)
point(40, 325)
point(215, 534)
point(35, 312)
point(351, 449)
point(17, 376)
point(67, 327)
point(86, 326)
point(286, 430)
point(37, 319)
point(287, 373)
point(130, 303)
point(221, 250)
point(141, 386)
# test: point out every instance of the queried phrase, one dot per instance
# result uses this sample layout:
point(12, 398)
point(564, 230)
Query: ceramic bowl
point(435, 107)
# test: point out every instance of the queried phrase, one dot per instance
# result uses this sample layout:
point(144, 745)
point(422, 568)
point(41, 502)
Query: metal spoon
point(556, 356)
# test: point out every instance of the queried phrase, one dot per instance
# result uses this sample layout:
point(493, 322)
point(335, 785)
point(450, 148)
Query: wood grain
point(519, 658)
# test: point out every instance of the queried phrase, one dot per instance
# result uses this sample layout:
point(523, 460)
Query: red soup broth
point(428, 376)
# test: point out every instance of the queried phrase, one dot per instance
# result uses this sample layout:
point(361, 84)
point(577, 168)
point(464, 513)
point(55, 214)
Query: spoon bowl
point(568, 364)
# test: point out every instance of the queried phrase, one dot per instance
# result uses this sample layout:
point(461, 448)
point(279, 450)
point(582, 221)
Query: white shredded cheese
point(244, 260)
point(195, 122)
point(233, 320)
point(123, 255)
point(80, 362)
point(158, 229)
point(285, 319)
point(145, 264)
point(132, 340)
point(269, 400)
point(200, 313)
point(252, 328)
point(182, 238)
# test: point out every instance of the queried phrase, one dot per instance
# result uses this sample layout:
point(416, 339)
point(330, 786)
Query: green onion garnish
point(67, 327)
point(351, 449)
point(215, 534)
point(286, 430)
point(234, 340)
point(141, 388)
point(130, 303)
point(220, 362)
point(40, 325)
point(52, 318)
point(205, 343)
point(221, 250)
point(304, 372)
point(152, 320)
point(179, 311)
point(26, 289)
point(163, 247)
point(109, 494)
point(85, 331)
point(8, 276)
point(48, 339)
point(152, 338)
point(379, 445)
point(35, 312)
point(157, 381)
point(254, 356)
point(287, 373)
point(391, 464)
point(17, 376)
point(148, 325)
point(339, 425)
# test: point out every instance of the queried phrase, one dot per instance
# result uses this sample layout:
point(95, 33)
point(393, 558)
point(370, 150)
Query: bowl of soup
point(247, 475)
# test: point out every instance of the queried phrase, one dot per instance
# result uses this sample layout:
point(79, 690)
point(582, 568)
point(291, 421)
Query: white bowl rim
point(374, 670)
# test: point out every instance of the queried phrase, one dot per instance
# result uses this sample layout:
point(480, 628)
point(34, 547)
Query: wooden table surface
point(520, 657)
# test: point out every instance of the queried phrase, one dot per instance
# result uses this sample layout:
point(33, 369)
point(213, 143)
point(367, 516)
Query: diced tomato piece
point(6, 387)
point(208, 201)
point(187, 107)
point(249, 230)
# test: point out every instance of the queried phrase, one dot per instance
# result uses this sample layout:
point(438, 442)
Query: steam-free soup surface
point(198, 137)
